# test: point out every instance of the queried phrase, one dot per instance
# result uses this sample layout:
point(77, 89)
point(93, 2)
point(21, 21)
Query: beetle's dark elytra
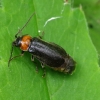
point(52, 55)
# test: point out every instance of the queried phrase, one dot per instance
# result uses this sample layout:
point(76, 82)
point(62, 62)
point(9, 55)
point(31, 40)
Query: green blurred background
point(92, 12)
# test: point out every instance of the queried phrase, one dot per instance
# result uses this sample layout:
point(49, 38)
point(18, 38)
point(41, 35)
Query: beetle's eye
point(17, 42)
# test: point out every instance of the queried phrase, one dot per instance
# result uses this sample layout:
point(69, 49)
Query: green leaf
point(62, 25)
point(92, 9)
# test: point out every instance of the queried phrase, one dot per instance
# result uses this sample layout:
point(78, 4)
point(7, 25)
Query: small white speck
point(66, 2)
point(39, 31)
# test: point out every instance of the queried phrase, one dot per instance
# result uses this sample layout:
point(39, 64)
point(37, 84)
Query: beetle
point(49, 54)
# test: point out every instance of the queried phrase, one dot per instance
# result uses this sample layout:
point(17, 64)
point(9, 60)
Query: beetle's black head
point(71, 65)
point(17, 42)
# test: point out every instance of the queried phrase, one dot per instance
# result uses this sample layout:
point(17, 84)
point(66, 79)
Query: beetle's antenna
point(20, 30)
point(10, 55)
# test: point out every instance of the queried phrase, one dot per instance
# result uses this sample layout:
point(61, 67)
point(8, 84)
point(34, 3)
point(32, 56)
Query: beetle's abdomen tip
point(70, 66)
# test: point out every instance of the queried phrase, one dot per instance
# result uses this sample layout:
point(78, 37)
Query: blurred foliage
point(92, 12)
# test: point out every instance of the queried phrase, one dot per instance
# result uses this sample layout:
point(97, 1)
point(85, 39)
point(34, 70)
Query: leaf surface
point(62, 25)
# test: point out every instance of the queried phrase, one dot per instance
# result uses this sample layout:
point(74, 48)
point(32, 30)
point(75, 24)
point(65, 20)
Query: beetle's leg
point(44, 70)
point(22, 53)
point(44, 73)
point(42, 65)
point(32, 58)
point(42, 34)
